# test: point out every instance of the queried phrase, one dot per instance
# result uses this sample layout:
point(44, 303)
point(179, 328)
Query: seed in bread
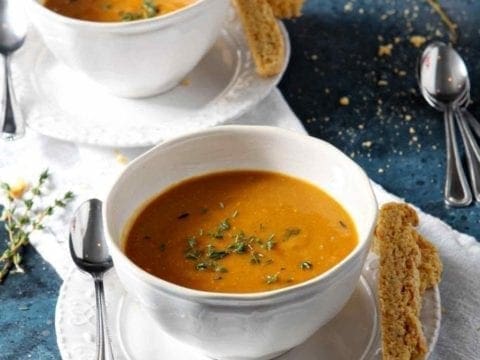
point(263, 34)
point(286, 9)
point(399, 284)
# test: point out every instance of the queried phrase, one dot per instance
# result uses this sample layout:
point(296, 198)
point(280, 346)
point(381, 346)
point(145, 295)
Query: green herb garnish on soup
point(262, 231)
point(115, 10)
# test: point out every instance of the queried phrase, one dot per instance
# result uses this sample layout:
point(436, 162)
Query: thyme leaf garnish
point(221, 228)
point(291, 232)
point(306, 265)
point(183, 215)
point(256, 258)
point(272, 278)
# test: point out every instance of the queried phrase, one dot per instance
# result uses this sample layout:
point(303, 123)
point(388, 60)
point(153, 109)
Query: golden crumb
point(367, 144)
point(385, 50)
point(344, 101)
point(185, 82)
point(382, 83)
point(417, 40)
point(120, 158)
point(18, 189)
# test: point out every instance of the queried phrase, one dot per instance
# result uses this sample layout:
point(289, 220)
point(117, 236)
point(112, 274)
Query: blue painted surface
point(389, 130)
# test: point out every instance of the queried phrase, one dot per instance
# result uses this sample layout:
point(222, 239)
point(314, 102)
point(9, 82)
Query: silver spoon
point(443, 81)
point(472, 150)
point(90, 253)
point(13, 30)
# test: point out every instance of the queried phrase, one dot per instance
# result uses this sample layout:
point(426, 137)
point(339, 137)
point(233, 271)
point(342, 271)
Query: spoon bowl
point(443, 73)
point(87, 244)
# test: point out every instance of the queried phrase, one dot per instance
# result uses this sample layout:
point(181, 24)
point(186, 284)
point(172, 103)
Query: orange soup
point(115, 10)
point(239, 232)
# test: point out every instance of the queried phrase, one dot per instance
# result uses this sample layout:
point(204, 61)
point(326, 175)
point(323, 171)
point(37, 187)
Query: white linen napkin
point(89, 172)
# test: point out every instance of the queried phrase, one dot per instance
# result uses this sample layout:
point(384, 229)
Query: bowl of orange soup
point(241, 241)
point(133, 48)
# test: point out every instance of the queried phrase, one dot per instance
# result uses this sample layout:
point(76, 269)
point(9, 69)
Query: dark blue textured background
point(389, 130)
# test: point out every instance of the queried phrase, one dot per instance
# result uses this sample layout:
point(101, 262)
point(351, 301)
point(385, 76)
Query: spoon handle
point(104, 347)
point(457, 191)
point(12, 123)
point(473, 153)
point(475, 125)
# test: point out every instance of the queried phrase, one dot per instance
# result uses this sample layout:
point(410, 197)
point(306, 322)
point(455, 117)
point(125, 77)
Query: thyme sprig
point(23, 215)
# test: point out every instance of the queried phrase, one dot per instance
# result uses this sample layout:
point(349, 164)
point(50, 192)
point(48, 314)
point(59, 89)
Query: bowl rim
point(157, 20)
point(201, 295)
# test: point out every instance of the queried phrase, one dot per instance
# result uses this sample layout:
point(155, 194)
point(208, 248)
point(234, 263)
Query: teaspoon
point(13, 31)
point(90, 253)
point(443, 82)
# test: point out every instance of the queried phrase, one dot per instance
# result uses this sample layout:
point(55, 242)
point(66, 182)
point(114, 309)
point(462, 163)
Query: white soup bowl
point(133, 59)
point(253, 325)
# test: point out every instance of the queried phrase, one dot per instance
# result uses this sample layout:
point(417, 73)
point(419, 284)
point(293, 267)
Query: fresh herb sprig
point(23, 216)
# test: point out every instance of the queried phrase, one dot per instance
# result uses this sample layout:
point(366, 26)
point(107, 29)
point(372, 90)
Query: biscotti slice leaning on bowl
point(264, 36)
point(399, 283)
point(286, 9)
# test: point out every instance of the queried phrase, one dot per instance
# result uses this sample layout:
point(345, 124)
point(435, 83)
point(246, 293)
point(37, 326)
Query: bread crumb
point(382, 83)
point(408, 117)
point(185, 82)
point(417, 40)
point(344, 101)
point(385, 50)
point(120, 158)
point(348, 7)
point(402, 73)
point(367, 144)
point(18, 189)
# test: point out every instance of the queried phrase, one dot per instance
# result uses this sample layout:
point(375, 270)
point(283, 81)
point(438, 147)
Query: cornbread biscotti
point(263, 34)
point(399, 284)
point(286, 9)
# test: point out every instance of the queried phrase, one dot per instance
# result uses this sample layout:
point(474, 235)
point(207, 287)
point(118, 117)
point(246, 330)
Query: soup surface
point(115, 10)
point(240, 231)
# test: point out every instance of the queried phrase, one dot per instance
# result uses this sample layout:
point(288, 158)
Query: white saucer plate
point(63, 104)
point(352, 335)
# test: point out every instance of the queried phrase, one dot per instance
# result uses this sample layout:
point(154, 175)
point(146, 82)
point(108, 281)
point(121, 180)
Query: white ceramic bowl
point(133, 59)
point(242, 326)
